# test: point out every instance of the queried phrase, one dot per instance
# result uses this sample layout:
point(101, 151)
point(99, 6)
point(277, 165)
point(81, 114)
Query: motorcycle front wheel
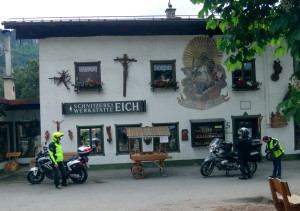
point(207, 168)
point(50, 175)
point(79, 176)
point(252, 166)
point(35, 179)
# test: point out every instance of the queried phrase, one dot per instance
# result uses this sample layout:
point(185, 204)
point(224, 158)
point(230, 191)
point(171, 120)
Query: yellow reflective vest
point(55, 151)
point(272, 145)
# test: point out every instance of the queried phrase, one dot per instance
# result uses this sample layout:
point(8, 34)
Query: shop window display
point(122, 140)
point(173, 145)
point(92, 136)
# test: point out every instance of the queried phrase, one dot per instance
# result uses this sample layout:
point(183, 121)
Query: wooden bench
point(12, 165)
point(285, 201)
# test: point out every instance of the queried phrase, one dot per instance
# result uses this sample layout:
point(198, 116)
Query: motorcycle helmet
point(57, 135)
point(243, 132)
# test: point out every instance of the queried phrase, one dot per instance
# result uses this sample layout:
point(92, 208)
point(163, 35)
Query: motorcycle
point(74, 166)
point(224, 158)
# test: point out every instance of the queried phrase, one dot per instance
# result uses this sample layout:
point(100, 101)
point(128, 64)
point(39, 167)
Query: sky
point(82, 8)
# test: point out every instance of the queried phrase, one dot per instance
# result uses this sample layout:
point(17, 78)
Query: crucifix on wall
point(124, 61)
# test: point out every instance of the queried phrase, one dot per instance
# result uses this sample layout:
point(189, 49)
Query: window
point(163, 74)
point(122, 140)
point(245, 78)
point(28, 137)
point(93, 136)
point(87, 76)
point(173, 145)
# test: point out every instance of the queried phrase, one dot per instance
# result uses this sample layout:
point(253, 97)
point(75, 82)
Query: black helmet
point(243, 132)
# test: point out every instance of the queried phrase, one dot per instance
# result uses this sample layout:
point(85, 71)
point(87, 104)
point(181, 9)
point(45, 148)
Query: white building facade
point(206, 102)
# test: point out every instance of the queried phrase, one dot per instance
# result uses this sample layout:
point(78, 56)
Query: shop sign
point(104, 107)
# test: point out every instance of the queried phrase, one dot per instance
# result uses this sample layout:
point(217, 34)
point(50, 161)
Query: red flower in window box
point(87, 84)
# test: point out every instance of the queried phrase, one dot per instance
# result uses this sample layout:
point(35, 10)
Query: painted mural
point(205, 76)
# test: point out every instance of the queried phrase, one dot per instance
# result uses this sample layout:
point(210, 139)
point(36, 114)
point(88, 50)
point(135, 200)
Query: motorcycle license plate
point(87, 164)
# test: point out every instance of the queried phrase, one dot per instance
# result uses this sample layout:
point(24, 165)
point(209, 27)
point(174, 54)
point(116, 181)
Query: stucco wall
point(58, 54)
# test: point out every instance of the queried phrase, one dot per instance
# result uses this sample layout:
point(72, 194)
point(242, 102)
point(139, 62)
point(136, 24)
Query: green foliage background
point(249, 26)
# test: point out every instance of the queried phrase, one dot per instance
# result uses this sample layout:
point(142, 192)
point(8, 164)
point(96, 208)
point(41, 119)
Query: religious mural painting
point(205, 76)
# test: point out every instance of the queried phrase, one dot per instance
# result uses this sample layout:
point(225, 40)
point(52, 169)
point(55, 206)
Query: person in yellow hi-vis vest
point(57, 158)
point(273, 146)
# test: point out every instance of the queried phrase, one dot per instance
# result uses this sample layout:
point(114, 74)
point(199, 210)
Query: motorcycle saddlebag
point(74, 165)
point(255, 157)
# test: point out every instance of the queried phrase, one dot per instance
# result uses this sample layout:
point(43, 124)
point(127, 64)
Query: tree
point(248, 26)
point(27, 80)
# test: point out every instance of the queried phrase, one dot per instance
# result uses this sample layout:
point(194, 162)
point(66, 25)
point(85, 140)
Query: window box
point(164, 84)
point(87, 85)
point(241, 85)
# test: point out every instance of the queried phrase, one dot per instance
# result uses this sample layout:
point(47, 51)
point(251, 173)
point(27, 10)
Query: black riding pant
point(245, 167)
point(60, 170)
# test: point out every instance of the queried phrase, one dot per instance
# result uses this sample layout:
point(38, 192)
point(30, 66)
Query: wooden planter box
point(277, 120)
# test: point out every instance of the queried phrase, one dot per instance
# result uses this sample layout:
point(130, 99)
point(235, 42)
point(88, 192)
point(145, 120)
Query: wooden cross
point(124, 61)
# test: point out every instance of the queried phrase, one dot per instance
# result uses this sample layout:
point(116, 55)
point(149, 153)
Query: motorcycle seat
point(70, 159)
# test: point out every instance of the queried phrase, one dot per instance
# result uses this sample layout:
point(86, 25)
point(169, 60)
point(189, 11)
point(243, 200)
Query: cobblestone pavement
point(182, 189)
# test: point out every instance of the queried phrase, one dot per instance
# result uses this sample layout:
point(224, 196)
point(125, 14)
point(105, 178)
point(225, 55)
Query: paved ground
point(182, 189)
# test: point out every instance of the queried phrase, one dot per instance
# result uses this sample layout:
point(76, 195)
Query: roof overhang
point(20, 104)
point(84, 28)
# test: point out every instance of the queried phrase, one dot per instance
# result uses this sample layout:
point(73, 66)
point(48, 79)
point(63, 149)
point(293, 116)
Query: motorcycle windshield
point(215, 142)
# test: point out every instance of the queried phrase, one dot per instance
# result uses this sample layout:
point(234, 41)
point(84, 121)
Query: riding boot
point(243, 177)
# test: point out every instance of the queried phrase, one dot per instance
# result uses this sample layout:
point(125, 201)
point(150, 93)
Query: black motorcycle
point(224, 158)
point(74, 166)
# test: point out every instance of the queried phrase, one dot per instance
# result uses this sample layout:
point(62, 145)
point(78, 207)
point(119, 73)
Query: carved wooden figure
point(108, 131)
point(124, 61)
point(58, 124)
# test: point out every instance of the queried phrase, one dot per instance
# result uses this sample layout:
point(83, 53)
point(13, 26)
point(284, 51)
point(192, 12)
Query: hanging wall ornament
point(70, 133)
point(63, 78)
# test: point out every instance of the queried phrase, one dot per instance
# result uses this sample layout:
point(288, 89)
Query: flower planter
point(164, 84)
point(175, 87)
point(88, 89)
point(88, 85)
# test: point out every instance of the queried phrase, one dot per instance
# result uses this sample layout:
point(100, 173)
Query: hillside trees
point(25, 55)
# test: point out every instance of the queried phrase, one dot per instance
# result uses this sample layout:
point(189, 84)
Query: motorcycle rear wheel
point(82, 176)
point(35, 179)
point(207, 168)
point(252, 166)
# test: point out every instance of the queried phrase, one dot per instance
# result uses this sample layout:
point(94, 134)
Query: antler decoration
point(64, 78)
